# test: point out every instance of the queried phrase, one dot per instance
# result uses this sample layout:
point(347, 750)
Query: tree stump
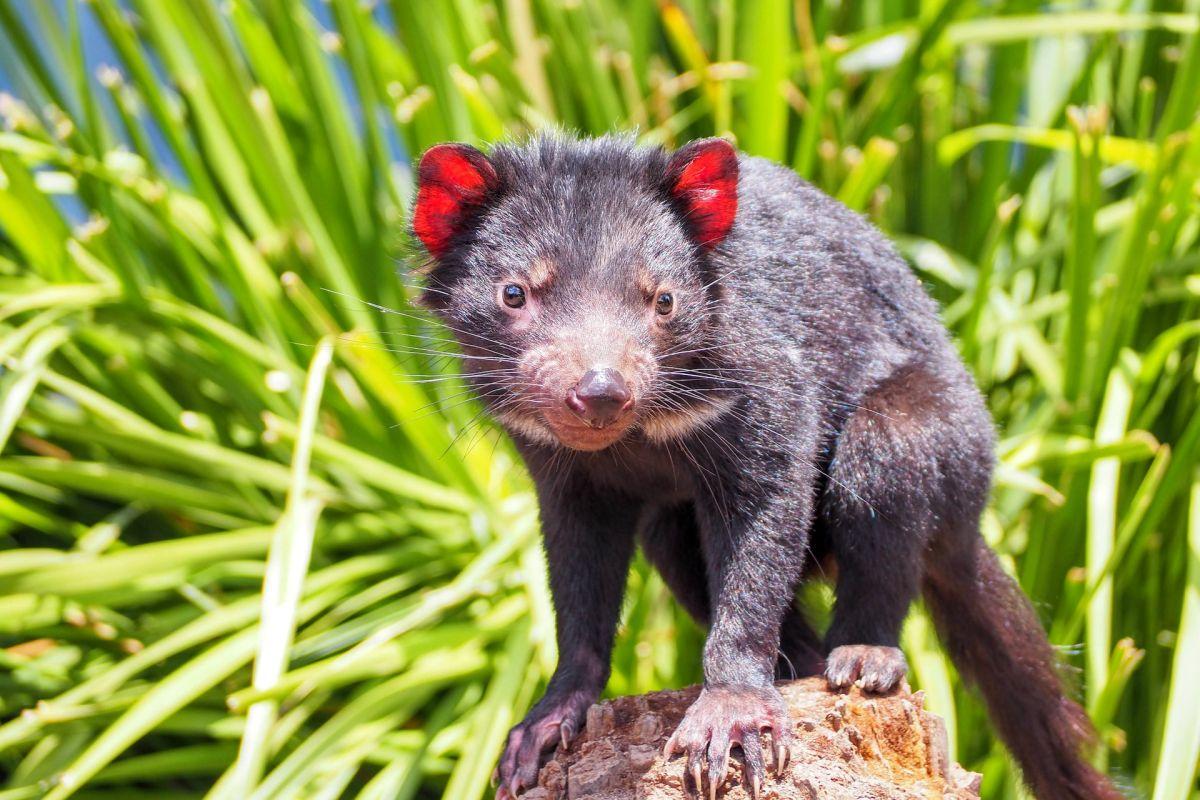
point(849, 746)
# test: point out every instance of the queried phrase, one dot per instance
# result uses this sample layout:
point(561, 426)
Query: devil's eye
point(664, 303)
point(513, 295)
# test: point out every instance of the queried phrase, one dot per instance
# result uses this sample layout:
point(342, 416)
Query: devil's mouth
point(547, 423)
point(538, 426)
point(581, 436)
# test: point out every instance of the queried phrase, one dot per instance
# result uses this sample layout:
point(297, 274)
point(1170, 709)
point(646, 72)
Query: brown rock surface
point(849, 746)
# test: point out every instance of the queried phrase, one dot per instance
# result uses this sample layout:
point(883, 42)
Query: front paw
point(723, 716)
point(553, 721)
point(875, 668)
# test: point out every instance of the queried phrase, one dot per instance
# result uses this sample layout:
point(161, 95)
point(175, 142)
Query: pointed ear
point(453, 181)
point(703, 177)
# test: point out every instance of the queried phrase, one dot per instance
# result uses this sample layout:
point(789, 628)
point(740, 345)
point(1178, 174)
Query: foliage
point(254, 542)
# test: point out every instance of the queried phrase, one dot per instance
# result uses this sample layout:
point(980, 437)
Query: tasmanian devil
point(702, 354)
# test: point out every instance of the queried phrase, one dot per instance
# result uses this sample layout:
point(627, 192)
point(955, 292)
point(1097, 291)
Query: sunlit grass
point(247, 550)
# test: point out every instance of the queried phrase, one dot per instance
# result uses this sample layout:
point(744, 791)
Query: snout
point(600, 398)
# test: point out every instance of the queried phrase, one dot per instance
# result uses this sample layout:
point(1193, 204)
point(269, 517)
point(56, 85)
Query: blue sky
point(98, 52)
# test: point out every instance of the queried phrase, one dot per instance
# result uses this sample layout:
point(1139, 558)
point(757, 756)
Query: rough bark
point(849, 746)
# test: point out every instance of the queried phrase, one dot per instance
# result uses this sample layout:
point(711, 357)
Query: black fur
point(838, 422)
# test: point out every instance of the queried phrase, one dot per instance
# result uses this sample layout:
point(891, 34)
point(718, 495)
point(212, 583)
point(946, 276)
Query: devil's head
point(576, 277)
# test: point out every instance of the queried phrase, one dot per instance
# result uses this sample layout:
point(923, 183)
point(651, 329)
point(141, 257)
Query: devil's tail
point(995, 639)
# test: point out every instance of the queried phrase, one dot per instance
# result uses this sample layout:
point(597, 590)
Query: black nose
point(600, 397)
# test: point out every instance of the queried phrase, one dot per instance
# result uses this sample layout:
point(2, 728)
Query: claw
point(716, 774)
point(555, 719)
point(720, 718)
point(719, 745)
point(753, 757)
point(783, 755)
point(872, 668)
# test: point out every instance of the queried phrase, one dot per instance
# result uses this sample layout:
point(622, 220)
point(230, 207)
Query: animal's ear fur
point(702, 177)
point(453, 181)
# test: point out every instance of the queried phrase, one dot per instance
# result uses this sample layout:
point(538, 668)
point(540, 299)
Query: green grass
point(246, 550)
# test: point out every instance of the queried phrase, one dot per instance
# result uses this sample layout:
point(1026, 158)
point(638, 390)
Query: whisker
point(417, 317)
point(435, 340)
point(725, 275)
point(714, 374)
point(424, 288)
point(429, 352)
point(673, 353)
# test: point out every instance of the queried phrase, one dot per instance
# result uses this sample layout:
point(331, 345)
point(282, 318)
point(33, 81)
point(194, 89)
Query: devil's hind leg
point(912, 462)
point(910, 479)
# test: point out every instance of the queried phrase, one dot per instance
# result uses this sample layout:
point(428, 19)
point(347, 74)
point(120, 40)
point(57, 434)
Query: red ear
point(703, 177)
point(452, 180)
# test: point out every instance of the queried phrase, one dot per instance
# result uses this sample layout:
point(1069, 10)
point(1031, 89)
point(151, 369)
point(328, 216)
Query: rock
point(648, 728)
point(599, 721)
point(597, 775)
point(641, 756)
point(849, 746)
